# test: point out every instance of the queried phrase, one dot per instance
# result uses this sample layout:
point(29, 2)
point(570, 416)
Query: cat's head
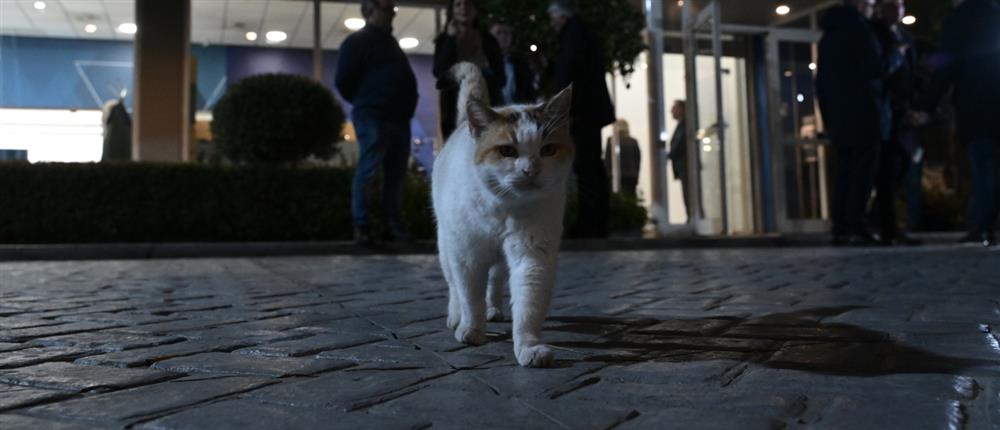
point(523, 151)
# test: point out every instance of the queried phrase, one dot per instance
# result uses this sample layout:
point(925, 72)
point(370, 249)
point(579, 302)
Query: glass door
point(801, 180)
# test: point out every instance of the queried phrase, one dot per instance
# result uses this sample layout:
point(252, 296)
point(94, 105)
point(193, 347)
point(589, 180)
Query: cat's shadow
point(795, 340)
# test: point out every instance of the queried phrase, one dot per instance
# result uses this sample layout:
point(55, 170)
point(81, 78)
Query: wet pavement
point(747, 338)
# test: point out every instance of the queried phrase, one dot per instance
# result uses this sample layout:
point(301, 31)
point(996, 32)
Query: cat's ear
point(480, 116)
point(557, 109)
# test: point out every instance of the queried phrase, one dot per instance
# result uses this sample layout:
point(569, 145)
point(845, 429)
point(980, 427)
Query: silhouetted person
point(898, 153)
point(463, 41)
point(628, 155)
point(374, 75)
point(520, 85)
point(849, 84)
point(580, 61)
point(117, 132)
point(678, 158)
point(969, 63)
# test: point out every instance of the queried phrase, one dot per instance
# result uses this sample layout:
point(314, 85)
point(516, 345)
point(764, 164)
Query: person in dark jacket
point(463, 41)
point(849, 84)
point(900, 153)
point(969, 63)
point(678, 159)
point(627, 154)
point(520, 85)
point(580, 61)
point(375, 76)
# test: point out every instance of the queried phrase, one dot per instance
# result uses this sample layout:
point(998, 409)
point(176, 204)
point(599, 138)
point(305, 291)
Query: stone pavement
point(705, 339)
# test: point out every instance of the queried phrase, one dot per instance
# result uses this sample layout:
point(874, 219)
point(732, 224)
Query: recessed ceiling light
point(251, 36)
point(128, 28)
point(788, 73)
point(408, 42)
point(782, 10)
point(800, 97)
point(909, 20)
point(40, 5)
point(90, 28)
point(680, 3)
point(812, 66)
point(533, 48)
point(354, 23)
point(275, 36)
point(395, 9)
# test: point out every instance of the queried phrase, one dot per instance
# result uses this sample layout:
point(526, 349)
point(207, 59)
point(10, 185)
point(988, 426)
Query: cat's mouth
point(527, 186)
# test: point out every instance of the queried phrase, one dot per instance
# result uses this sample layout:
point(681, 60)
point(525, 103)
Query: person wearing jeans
point(374, 75)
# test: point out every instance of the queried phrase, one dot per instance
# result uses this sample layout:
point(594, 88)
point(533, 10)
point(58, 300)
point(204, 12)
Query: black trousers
point(593, 189)
point(856, 166)
point(891, 165)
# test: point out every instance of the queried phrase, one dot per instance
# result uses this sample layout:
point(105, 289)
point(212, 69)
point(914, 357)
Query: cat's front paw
point(454, 319)
point(470, 336)
point(535, 356)
point(494, 314)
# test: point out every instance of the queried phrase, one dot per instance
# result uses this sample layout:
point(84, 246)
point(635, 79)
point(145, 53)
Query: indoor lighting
point(251, 36)
point(533, 48)
point(40, 5)
point(706, 140)
point(788, 73)
point(395, 9)
point(782, 10)
point(90, 28)
point(801, 98)
point(909, 20)
point(408, 43)
point(706, 148)
point(354, 24)
point(680, 3)
point(275, 36)
point(812, 66)
point(128, 28)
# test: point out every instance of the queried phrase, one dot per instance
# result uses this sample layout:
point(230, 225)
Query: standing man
point(520, 85)
point(849, 84)
point(580, 61)
point(969, 62)
point(678, 157)
point(900, 153)
point(375, 76)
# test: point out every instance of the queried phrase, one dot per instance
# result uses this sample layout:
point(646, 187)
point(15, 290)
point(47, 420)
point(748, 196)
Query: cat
point(499, 193)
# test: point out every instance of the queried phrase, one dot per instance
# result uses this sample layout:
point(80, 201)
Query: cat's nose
point(530, 172)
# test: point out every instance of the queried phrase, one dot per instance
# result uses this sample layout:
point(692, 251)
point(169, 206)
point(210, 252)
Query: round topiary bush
point(276, 119)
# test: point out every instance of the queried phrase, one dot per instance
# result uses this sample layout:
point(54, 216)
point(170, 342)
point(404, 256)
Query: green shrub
point(141, 202)
point(276, 119)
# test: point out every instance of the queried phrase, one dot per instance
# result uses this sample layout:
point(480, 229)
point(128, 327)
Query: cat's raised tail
point(471, 85)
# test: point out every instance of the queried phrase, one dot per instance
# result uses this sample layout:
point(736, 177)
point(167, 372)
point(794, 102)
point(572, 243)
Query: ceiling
point(214, 22)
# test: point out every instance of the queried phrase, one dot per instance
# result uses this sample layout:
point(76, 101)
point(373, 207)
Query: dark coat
point(905, 84)
point(524, 80)
point(374, 75)
point(580, 61)
point(446, 56)
point(849, 82)
point(678, 151)
point(629, 157)
point(969, 62)
point(117, 134)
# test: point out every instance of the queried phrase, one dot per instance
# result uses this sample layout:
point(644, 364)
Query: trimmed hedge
point(141, 202)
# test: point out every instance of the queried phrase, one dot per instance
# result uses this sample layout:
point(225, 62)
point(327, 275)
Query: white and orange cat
point(499, 191)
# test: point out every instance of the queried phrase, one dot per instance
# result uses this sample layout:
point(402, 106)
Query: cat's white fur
point(500, 221)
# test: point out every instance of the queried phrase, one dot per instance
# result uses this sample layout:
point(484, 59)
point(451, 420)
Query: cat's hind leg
point(454, 312)
point(499, 276)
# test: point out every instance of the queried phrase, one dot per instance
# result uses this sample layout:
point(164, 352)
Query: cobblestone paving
point(766, 338)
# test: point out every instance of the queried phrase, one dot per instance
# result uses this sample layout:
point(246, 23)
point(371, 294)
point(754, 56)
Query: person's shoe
point(985, 239)
point(363, 236)
point(863, 239)
point(396, 234)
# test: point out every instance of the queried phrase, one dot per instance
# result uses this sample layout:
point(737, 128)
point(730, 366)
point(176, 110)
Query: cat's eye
point(549, 150)
point(507, 151)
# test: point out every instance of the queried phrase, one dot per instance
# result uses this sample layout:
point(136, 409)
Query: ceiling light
point(801, 98)
point(706, 148)
point(680, 3)
point(909, 20)
point(90, 28)
point(128, 28)
point(354, 23)
point(533, 48)
point(40, 5)
point(251, 36)
point(812, 66)
point(788, 73)
point(408, 43)
point(275, 36)
point(782, 10)
point(395, 9)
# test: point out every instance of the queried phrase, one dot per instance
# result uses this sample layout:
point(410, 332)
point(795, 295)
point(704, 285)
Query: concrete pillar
point(162, 103)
